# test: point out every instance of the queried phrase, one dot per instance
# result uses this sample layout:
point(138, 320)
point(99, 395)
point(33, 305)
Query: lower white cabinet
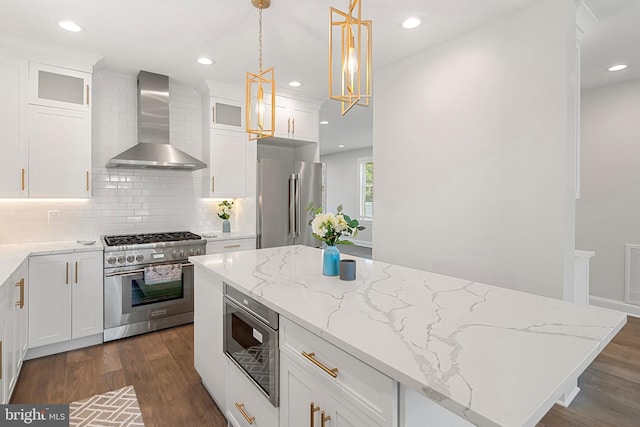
point(209, 359)
point(13, 330)
point(231, 245)
point(246, 405)
point(66, 297)
point(319, 381)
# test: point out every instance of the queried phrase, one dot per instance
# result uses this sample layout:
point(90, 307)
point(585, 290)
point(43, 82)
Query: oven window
point(143, 294)
point(249, 346)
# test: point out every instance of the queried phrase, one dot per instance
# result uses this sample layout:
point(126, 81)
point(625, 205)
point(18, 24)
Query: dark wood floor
point(160, 367)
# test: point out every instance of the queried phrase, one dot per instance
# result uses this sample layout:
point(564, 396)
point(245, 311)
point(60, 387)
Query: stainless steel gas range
point(148, 281)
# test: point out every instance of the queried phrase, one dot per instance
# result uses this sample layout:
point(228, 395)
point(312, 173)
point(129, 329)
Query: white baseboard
point(631, 310)
point(362, 243)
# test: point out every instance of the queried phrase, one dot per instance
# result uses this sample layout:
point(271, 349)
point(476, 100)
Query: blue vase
point(331, 261)
point(226, 226)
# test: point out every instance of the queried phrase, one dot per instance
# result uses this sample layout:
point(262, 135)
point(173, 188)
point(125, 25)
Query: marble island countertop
point(493, 356)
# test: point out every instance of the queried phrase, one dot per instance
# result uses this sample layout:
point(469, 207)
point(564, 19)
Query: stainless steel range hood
point(153, 149)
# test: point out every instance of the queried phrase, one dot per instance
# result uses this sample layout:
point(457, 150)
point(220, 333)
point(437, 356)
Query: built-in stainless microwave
point(251, 340)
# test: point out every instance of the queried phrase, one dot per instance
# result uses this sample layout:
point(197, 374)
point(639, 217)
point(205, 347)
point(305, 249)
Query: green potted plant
point(224, 213)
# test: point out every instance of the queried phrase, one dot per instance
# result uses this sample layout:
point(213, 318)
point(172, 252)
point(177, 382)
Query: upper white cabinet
point(225, 155)
point(59, 87)
point(59, 152)
point(227, 114)
point(295, 119)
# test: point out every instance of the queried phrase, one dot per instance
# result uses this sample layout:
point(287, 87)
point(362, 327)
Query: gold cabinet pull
point(21, 302)
point(293, 126)
point(231, 246)
point(67, 279)
point(213, 114)
point(333, 372)
point(213, 184)
point(76, 272)
point(289, 125)
point(22, 179)
point(323, 419)
point(87, 180)
point(312, 412)
point(87, 95)
point(246, 416)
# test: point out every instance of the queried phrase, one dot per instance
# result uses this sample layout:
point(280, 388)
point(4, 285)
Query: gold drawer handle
point(246, 416)
point(21, 302)
point(333, 372)
point(22, 179)
point(231, 246)
point(67, 279)
point(323, 419)
point(312, 411)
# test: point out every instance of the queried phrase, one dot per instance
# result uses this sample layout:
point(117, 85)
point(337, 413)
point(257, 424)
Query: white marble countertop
point(494, 356)
point(11, 256)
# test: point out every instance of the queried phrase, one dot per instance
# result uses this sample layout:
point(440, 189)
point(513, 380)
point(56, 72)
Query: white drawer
point(243, 395)
point(369, 389)
point(233, 245)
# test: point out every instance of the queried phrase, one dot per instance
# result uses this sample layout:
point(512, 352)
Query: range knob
point(175, 254)
point(199, 252)
point(121, 259)
point(139, 258)
point(111, 260)
point(131, 258)
point(181, 254)
point(192, 252)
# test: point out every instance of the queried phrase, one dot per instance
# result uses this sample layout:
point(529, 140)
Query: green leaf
point(347, 218)
point(339, 208)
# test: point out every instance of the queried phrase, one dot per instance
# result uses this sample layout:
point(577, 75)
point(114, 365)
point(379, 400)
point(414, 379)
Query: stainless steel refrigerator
point(285, 189)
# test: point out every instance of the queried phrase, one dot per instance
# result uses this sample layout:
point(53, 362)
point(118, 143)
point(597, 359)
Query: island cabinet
point(246, 405)
point(66, 295)
point(322, 385)
point(13, 330)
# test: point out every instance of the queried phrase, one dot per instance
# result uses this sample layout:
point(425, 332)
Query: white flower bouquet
point(331, 228)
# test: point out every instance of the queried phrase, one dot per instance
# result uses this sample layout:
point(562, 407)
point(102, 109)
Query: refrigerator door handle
point(292, 205)
point(298, 207)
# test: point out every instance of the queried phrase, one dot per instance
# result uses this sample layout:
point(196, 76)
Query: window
point(366, 188)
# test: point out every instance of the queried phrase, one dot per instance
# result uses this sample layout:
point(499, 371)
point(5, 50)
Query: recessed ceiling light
point(205, 61)
point(618, 67)
point(324, 122)
point(70, 26)
point(295, 84)
point(411, 23)
point(340, 146)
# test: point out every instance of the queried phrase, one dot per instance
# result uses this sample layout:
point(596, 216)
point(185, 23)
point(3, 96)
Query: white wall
point(473, 150)
point(343, 183)
point(125, 200)
point(607, 211)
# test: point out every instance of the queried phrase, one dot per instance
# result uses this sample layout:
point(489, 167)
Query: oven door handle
point(134, 272)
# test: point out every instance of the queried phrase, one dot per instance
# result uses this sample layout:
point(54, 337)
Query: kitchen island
point(490, 356)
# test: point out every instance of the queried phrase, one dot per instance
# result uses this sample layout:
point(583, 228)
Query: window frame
point(362, 185)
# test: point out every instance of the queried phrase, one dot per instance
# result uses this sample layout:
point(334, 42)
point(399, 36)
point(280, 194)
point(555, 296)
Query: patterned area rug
point(118, 408)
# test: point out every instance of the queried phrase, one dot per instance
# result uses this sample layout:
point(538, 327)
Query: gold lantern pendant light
point(261, 88)
point(352, 73)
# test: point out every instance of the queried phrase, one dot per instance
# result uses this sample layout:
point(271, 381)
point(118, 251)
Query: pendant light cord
point(260, 40)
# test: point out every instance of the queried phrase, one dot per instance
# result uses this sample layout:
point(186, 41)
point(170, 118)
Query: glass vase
point(226, 226)
point(331, 261)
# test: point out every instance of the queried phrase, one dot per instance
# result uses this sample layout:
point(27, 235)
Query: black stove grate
point(138, 239)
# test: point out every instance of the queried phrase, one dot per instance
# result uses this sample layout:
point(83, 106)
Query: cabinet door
point(234, 245)
point(87, 295)
point(59, 152)
point(298, 392)
point(59, 87)
point(245, 401)
point(20, 323)
point(3, 346)
point(304, 124)
point(209, 359)
point(13, 84)
point(227, 114)
point(8, 343)
point(50, 280)
point(228, 165)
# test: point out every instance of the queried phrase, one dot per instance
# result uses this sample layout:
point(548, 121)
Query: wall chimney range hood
point(153, 149)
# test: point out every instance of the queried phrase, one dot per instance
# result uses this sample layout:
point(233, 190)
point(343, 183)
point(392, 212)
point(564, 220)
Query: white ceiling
point(166, 36)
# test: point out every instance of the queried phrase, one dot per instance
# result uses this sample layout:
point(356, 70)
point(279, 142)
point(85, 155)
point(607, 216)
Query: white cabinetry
point(59, 152)
point(59, 87)
point(226, 159)
point(318, 380)
point(209, 359)
point(66, 295)
point(295, 119)
point(13, 127)
point(231, 245)
point(13, 330)
point(246, 405)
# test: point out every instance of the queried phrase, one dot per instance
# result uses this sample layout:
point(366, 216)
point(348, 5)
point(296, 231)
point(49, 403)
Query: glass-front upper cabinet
point(59, 87)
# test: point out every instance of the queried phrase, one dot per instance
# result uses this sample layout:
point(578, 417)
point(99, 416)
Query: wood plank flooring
point(160, 367)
